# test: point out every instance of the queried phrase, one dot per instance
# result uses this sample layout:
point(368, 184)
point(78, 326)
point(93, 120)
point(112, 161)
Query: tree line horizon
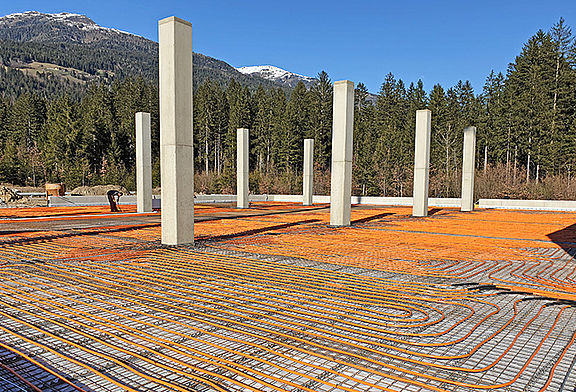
point(525, 120)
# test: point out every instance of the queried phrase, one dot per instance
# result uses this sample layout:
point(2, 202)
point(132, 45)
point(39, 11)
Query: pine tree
point(12, 169)
point(494, 134)
point(262, 128)
point(531, 100)
point(240, 116)
point(321, 119)
point(278, 102)
point(390, 118)
point(209, 125)
point(558, 151)
point(64, 141)
point(295, 126)
point(26, 118)
point(98, 122)
point(364, 166)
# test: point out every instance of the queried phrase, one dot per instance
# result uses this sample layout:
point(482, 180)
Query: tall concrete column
point(176, 146)
point(143, 163)
point(342, 127)
point(468, 166)
point(421, 162)
point(308, 183)
point(242, 170)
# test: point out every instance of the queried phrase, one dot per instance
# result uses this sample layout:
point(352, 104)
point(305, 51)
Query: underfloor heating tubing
point(127, 331)
point(126, 272)
point(166, 265)
point(256, 335)
point(95, 292)
point(464, 369)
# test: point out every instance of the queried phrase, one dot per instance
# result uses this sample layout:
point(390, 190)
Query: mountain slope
point(76, 51)
point(65, 27)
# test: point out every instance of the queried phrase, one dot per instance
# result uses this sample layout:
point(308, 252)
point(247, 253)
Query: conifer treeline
point(526, 124)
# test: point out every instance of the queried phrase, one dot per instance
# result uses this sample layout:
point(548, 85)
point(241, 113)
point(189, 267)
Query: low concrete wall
point(543, 205)
point(405, 201)
point(78, 201)
point(63, 201)
point(374, 200)
point(81, 201)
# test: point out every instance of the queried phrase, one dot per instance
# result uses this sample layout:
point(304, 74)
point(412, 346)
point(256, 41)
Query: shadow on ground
point(566, 239)
point(18, 374)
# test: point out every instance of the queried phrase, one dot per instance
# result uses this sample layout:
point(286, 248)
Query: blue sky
point(436, 41)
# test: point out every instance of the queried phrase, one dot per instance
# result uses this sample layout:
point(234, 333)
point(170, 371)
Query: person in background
point(113, 199)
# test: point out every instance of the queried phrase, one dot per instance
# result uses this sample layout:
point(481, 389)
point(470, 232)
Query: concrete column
point(468, 166)
point(242, 170)
point(421, 162)
point(342, 126)
point(308, 183)
point(143, 163)
point(176, 146)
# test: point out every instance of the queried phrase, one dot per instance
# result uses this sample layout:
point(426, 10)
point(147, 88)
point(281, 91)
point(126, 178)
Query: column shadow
point(566, 239)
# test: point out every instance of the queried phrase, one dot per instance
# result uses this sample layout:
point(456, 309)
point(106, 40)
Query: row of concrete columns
point(144, 166)
point(422, 165)
point(243, 172)
point(177, 158)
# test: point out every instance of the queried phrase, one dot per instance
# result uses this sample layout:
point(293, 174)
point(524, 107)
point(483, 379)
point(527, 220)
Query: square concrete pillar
point(421, 162)
point(308, 175)
point(468, 166)
point(242, 170)
point(143, 163)
point(176, 146)
point(342, 129)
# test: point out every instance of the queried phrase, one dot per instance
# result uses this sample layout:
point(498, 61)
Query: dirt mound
point(97, 190)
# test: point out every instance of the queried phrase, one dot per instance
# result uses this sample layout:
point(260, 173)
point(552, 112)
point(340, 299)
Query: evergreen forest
point(526, 122)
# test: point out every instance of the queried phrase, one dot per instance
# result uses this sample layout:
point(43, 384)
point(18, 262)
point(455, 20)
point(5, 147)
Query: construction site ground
point(274, 299)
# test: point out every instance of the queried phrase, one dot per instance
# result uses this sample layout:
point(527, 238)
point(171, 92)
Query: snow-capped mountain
point(34, 26)
point(75, 20)
point(66, 45)
point(34, 39)
point(278, 75)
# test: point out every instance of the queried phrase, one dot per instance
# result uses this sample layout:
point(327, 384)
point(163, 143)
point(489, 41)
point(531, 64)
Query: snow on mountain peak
point(76, 20)
point(276, 74)
point(271, 70)
point(61, 15)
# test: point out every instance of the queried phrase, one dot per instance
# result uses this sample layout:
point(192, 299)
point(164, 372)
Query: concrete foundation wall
point(72, 201)
point(544, 205)
point(80, 201)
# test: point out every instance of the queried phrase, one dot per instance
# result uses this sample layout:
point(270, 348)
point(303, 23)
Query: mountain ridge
point(79, 46)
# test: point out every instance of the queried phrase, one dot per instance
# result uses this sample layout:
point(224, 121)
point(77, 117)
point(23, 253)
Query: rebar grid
point(112, 310)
